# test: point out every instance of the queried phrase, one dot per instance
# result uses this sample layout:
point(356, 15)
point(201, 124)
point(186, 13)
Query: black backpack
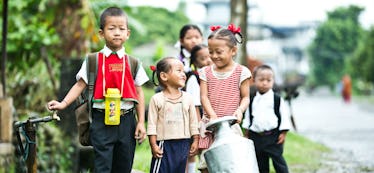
point(276, 108)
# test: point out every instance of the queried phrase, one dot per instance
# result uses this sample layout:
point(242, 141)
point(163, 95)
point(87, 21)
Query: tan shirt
point(172, 119)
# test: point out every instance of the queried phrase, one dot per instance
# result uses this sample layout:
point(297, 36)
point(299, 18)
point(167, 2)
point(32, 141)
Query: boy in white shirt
point(266, 121)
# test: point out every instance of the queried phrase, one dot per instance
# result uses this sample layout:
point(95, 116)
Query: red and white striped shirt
point(224, 88)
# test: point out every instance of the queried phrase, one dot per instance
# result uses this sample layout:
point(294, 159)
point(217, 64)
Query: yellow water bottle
point(112, 106)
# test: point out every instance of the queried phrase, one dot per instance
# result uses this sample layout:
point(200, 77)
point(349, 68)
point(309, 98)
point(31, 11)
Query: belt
point(266, 133)
point(123, 111)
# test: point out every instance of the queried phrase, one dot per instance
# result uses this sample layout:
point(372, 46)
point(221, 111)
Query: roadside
point(345, 128)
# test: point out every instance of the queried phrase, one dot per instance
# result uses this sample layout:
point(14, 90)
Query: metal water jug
point(230, 152)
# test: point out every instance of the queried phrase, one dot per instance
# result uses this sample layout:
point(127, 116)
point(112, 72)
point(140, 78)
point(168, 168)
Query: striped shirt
point(223, 94)
point(224, 88)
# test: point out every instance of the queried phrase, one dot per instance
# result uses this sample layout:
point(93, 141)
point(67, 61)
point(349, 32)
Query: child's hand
point(239, 115)
point(282, 137)
point(140, 133)
point(55, 105)
point(194, 148)
point(156, 152)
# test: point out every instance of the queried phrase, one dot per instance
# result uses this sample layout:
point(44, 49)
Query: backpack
point(277, 99)
point(83, 109)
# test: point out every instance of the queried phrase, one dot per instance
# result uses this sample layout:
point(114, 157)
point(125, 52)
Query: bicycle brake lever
point(55, 116)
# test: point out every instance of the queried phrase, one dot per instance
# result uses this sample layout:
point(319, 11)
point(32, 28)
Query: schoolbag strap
point(250, 109)
point(276, 108)
point(134, 66)
point(91, 72)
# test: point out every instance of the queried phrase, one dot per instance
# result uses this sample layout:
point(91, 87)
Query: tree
point(238, 15)
point(362, 61)
point(335, 41)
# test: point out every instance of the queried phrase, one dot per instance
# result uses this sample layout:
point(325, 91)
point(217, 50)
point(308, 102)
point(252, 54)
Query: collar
point(106, 51)
point(270, 93)
point(186, 53)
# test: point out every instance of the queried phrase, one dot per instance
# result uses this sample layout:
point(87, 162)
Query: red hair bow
point(232, 28)
point(213, 28)
point(152, 67)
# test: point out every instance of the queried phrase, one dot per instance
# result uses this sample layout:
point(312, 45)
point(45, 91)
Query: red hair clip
point(213, 28)
point(152, 67)
point(232, 28)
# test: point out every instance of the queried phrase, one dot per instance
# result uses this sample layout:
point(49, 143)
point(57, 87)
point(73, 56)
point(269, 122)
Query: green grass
point(301, 154)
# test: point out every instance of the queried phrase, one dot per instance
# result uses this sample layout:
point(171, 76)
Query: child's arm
point(194, 145)
point(244, 101)
point(72, 95)
point(156, 150)
point(205, 101)
point(140, 133)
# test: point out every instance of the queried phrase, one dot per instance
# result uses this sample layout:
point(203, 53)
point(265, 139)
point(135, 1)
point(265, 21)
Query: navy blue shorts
point(174, 158)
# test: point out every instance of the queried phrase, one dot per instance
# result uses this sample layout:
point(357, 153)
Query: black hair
point(194, 51)
point(162, 66)
point(261, 67)
point(111, 11)
point(182, 34)
point(233, 38)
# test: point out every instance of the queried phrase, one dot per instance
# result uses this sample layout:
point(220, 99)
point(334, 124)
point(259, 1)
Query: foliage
point(54, 153)
point(30, 88)
point(362, 62)
point(335, 41)
point(159, 24)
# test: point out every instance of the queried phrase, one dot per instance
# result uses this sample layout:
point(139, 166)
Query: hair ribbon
point(213, 28)
point(153, 68)
point(232, 28)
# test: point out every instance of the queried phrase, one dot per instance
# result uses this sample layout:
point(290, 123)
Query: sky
point(276, 12)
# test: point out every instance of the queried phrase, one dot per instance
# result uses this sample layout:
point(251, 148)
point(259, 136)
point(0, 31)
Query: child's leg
point(124, 149)
point(102, 139)
point(203, 167)
point(263, 162)
point(191, 164)
point(279, 163)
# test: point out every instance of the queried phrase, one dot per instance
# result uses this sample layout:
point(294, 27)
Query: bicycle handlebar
point(38, 120)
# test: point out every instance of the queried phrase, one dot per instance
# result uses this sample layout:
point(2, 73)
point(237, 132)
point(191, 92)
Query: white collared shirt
point(264, 117)
point(140, 78)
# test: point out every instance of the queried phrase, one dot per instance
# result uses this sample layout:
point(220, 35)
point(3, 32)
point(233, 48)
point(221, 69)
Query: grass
point(302, 154)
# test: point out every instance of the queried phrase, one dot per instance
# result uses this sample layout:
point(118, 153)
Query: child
point(267, 129)
point(199, 58)
point(225, 84)
point(189, 36)
point(172, 120)
point(114, 145)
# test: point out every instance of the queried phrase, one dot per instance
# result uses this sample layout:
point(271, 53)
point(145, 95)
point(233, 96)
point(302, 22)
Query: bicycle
point(28, 130)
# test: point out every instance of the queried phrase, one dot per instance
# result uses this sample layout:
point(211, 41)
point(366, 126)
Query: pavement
point(348, 129)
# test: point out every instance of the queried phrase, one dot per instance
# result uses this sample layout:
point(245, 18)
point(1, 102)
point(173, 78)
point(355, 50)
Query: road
point(348, 129)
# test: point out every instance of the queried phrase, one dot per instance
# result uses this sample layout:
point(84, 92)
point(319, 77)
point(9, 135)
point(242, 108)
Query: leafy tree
point(159, 24)
point(39, 34)
point(362, 61)
point(335, 41)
